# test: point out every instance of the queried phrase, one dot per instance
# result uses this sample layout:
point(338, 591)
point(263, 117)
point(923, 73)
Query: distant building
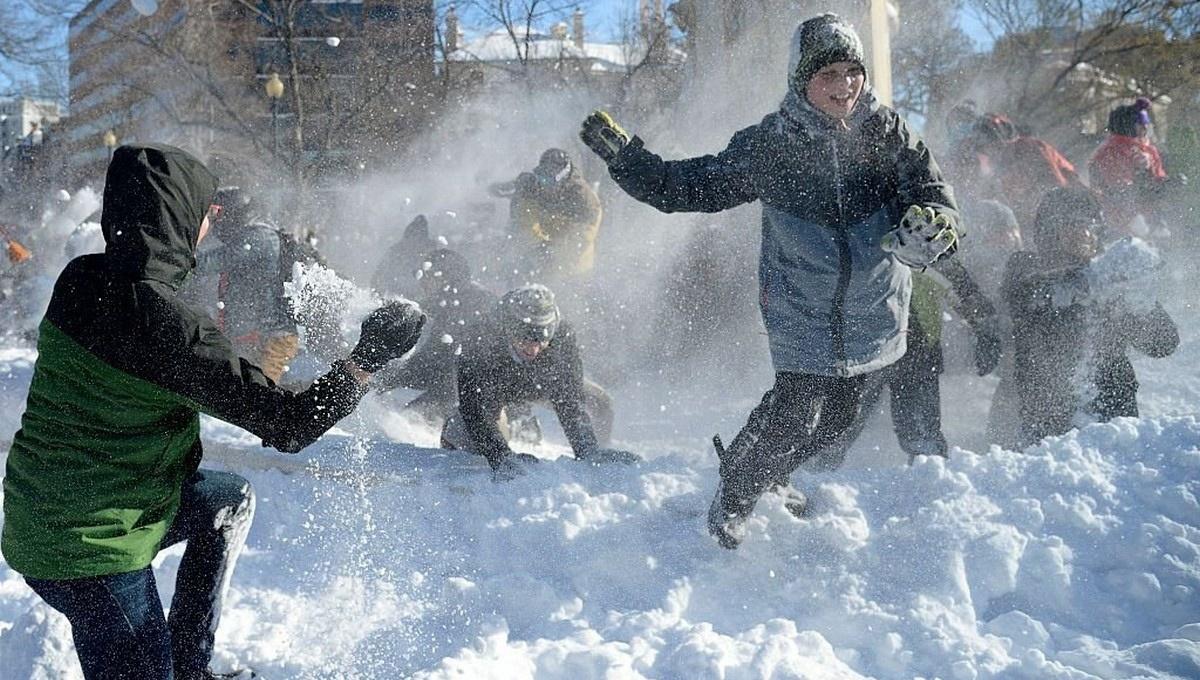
point(561, 57)
point(193, 74)
point(22, 116)
point(1050, 95)
point(30, 154)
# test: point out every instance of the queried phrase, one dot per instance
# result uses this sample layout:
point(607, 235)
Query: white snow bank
point(375, 559)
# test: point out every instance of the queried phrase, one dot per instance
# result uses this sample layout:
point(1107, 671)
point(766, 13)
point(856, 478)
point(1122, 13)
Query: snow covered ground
point(374, 555)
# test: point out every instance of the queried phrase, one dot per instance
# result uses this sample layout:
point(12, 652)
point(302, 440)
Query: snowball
point(333, 41)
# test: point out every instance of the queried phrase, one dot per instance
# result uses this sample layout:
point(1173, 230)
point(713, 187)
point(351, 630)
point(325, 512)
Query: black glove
point(598, 456)
point(387, 333)
point(987, 346)
point(602, 135)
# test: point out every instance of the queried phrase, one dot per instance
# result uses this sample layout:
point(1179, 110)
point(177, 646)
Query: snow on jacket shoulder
point(833, 302)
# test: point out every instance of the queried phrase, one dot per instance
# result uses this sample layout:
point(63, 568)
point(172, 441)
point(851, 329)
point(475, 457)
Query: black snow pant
point(797, 418)
point(916, 406)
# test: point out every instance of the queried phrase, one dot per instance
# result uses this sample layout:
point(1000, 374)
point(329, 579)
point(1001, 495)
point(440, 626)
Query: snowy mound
point(375, 559)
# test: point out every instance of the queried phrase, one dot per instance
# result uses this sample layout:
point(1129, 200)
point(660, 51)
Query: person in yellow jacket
point(555, 217)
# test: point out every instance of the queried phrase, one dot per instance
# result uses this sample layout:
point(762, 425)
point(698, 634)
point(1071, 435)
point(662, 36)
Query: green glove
point(602, 135)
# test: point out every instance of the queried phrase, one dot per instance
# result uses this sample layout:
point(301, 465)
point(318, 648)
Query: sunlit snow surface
point(372, 557)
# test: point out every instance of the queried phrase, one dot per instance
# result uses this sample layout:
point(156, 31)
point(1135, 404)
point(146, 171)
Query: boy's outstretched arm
point(701, 184)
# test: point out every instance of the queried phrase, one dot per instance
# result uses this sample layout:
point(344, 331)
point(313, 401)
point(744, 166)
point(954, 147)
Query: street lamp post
point(274, 88)
point(110, 142)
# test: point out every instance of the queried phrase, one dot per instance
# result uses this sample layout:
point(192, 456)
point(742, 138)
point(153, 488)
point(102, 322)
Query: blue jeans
point(117, 621)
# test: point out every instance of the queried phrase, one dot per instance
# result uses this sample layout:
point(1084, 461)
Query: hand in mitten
point(387, 333)
point(603, 135)
point(923, 236)
point(17, 253)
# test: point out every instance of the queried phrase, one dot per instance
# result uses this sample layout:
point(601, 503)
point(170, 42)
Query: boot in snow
point(794, 500)
point(725, 525)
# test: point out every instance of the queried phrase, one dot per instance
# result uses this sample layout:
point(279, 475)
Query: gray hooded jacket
point(833, 302)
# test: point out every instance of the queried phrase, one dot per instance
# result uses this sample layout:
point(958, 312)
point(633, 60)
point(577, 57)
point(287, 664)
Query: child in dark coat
point(1076, 312)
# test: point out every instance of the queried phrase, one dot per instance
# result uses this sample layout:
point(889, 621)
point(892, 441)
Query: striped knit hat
point(819, 42)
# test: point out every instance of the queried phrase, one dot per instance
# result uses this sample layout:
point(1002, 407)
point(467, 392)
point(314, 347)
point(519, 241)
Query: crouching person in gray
point(851, 200)
point(524, 352)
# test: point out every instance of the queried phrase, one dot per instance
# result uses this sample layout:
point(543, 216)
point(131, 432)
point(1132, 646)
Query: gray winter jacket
point(833, 302)
point(251, 282)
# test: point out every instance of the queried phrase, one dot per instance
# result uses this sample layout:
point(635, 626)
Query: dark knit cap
point(819, 42)
point(1062, 206)
point(530, 312)
point(1124, 120)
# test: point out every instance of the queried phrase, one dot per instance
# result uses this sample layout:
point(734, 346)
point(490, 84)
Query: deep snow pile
point(371, 558)
point(374, 557)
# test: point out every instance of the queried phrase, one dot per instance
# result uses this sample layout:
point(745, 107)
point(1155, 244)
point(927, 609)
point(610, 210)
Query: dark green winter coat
point(111, 427)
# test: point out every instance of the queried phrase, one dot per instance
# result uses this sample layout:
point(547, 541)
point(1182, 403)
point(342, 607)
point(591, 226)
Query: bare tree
point(1054, 57)
point(929, 53)
point(520, 20)
point(648, 48)
point(33, 59)
point(350, 97)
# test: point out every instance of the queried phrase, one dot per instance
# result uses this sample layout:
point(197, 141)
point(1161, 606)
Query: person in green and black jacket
point(104, 471)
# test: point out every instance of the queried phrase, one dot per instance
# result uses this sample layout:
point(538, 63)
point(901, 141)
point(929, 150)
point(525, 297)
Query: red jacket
point(1027, 168)
point(1122, 161)
point(1122, 168)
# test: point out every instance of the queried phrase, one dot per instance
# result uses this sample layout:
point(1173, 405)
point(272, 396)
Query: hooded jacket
point(111, 427)
point(1128, 171)
point(833, 302)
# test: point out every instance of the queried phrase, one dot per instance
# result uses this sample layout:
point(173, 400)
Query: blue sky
point(603, 20)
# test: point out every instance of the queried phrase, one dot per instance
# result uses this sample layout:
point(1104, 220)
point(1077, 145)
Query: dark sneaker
point(728, 528)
